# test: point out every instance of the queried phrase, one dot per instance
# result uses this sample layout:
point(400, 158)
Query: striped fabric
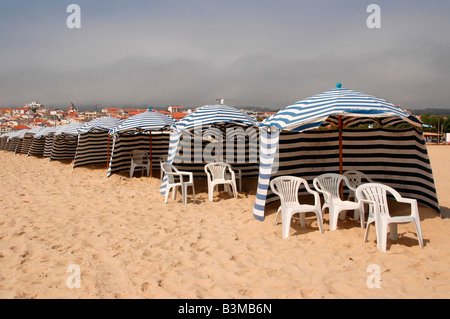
point(214, 114)
point(268, 152)
point(355, 109)
point(38, 143)
point(123, 144)
point(147, 121)
point(48, 144)
point(64, 147)
point(68, 129)
point(94, 142)
point(100, 124)
point(395, 157)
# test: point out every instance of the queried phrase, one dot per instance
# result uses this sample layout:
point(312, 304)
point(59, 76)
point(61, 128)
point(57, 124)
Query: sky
point(260, 53)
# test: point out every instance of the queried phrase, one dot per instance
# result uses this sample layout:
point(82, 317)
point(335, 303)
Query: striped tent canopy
point(215, 114)
point(45, 131)
point(68, 129)
point(351, 107)
point(106, 123)
point(146, 121)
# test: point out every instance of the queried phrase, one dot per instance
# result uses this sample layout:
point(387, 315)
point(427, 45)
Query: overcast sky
point(250, 52)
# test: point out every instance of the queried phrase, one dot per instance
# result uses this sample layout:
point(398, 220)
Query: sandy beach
point(129, 244)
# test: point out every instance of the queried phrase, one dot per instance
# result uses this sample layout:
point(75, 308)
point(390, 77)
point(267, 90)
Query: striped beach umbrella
point(146, 121)
point(105, 123)
point(213, 115)
point(341, 108)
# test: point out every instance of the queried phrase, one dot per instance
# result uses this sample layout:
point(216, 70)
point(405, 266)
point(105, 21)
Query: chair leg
point(166, 195)
point(184, 193)
point(302, 220)
point(285, 224)
point(334, 216)
point(234, 189)
point(319, 220)
point(419, 232)
point(277, 215)
point(193, 192)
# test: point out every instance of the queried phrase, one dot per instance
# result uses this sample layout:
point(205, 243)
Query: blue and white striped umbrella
point(215, 114)
point(68, 129)
point(353, 108)
point(145, 121)
point(105, 123)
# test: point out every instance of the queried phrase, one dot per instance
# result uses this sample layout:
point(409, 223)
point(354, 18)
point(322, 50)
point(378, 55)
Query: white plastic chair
point(162, 159)
point(175, 179)
point(355, 179)
point(375, 194)
point(139, 159)
point(220, 173)
point(329, 185)
point(287, 187)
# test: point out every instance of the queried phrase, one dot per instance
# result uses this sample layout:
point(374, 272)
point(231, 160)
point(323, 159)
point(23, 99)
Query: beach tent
point(94, 142)
point(146, 131)
point(27, 139)
point(14, 141)
point(340, 130)
point(65, 140)
point(209, 126)
point(38, 141)
point(4, 140)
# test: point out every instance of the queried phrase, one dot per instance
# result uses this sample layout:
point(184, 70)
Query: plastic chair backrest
point(330, 183)
point(217, 170)
point(377, 194)
point(286, 187)
point(355, 178)
point(169, 168)
point(138, 156)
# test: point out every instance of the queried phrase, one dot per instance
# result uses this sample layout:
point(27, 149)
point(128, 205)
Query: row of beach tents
point(330, 132)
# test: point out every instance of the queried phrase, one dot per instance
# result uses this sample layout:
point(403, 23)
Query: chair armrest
point(190, 174)
point(175, 174)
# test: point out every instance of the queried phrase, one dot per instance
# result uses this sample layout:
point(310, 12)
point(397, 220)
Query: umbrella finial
point(339, 85)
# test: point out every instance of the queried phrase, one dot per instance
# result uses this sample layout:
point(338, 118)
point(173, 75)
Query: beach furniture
point(175, 179)
point(139, 159)
point(375, 195)
point(355, 179)
point(330, 186)
point(220, 174)
point(287, 188)
point(162, 159)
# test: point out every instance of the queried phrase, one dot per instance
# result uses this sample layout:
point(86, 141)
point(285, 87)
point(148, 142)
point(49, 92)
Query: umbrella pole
point(151, 159)
point(340, 146)
point(341, 188)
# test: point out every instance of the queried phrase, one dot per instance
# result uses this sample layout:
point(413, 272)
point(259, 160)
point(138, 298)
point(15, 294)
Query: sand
point(128, 244)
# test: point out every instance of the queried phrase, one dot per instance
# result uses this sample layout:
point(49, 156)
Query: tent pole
point(151, 159)
point(107, 160)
